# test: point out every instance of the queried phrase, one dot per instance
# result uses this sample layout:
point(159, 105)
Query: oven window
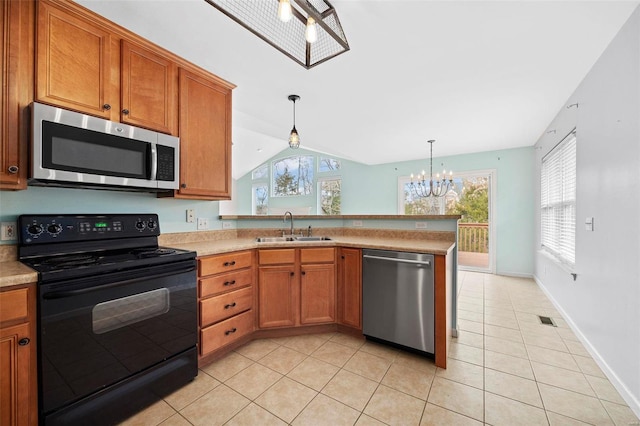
point(117, 313)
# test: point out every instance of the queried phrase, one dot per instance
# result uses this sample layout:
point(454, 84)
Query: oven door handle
point(69, 293)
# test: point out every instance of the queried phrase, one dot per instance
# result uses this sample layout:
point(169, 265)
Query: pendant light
point(294, 138)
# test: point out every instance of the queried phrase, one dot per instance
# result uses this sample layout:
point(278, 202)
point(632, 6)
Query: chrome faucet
point(284, 219)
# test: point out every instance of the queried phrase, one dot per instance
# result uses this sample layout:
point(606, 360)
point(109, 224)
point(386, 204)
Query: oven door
point(96, 332)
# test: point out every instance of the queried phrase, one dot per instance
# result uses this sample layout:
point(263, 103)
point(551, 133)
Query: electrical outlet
point(421, 225)
point(203, 223)
point(191, 216)
point(226, 225)
point(357, 223)
point(9, 231)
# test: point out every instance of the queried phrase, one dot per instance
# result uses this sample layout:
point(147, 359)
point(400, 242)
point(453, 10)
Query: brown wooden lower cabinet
point(350, 287)
point(225, 299)
point(18, 392)
point(296, 287)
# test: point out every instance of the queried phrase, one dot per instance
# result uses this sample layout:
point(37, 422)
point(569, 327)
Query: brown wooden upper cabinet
point(16, 90)
point(82, 65)
point(205, 137)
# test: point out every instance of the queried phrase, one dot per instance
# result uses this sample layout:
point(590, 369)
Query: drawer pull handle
point(229, 282)
point(230, 305)
point(233, 262)
point(24, 341)
point(228, 332)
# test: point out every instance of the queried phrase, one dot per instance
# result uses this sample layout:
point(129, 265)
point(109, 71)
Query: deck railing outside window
point(473, 237)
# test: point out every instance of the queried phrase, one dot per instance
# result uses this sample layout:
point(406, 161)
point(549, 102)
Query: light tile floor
point(504, 369)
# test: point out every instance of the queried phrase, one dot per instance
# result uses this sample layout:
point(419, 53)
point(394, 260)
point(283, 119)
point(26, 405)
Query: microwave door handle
point(153, 151)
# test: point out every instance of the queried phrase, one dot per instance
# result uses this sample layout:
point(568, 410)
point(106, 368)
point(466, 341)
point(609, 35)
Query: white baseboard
point(624, 392)
point(515, 274)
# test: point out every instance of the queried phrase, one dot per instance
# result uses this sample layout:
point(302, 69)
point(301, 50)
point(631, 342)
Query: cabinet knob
point(342, 257)
point(230, 305)
point(13, 169)
point(304, 273)
point(183, 185)
point(24, 341)
point(293, 273)
point(125, 111)
point(106, 107)
point(228, 332)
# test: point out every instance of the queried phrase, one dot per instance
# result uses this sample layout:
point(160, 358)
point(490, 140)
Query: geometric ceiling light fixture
point(294, 137)
point(437, 187)
point(307, 31)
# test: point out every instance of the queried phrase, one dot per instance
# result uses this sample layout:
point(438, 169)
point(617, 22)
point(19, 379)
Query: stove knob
point(35, 229)
point(54, 229)
point(152, 224)
point(140, 225)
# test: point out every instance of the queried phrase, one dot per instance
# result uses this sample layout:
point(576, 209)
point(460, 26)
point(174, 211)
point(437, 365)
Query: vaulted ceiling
point(474, 75)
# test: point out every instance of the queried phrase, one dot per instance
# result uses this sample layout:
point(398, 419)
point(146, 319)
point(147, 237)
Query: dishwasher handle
point(393, 259)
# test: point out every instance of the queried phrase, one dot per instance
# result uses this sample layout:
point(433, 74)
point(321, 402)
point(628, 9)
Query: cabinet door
point(317, 294)
point(73, 63)
point(350, 287)
point(205, 137)
point(149, 89)
point(276, 296)
point(16, 91)
point(15, 375)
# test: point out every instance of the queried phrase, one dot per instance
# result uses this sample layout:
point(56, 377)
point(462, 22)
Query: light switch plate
point(421, 225)
point(203, 223)
point(357, 223)
point(191, 216)
point(226, 225)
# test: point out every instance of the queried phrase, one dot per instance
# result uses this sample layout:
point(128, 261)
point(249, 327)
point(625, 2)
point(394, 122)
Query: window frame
point(558, 215)
point(319, 193)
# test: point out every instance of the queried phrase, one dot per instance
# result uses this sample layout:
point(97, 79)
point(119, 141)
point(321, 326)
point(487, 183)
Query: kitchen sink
point(290, 238)
point(273, 239)
point(312, 239)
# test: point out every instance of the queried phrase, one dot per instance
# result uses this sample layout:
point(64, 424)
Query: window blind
point(558, 201)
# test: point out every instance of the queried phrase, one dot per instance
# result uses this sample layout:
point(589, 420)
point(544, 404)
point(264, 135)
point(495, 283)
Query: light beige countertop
point(13, 272)
point(204, 248)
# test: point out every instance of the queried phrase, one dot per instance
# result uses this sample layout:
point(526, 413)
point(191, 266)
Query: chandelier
point(437, 187)
point(307, 31)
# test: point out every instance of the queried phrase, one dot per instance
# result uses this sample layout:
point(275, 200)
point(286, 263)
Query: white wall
point(603, 303)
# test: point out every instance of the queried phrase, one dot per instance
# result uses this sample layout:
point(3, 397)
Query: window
point(328, 164)
point(558, 201)
point(261, 172)
point(260, 201)
point(292, 176)
point(329, 196)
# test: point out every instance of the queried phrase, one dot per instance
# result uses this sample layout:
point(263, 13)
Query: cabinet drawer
point(14, 305)
point(225, 282)
point(224, 263)
point(225, 332)
point(224, 306)
point(277, 256)
point(317, 255)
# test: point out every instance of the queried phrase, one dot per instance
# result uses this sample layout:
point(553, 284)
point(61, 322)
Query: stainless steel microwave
point(71, 149)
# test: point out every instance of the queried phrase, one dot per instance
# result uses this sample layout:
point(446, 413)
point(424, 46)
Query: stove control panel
point(35, 229)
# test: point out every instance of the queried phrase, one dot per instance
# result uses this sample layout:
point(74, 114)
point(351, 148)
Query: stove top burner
point(71, 261)
point(152, 252)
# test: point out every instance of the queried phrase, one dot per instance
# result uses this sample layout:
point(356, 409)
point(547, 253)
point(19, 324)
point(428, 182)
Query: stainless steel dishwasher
point(398, 299)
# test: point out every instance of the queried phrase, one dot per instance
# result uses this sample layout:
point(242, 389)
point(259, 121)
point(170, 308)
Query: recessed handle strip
point(393, 259)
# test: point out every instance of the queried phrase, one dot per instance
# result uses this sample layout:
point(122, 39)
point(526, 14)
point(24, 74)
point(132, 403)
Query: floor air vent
point(547, 321)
